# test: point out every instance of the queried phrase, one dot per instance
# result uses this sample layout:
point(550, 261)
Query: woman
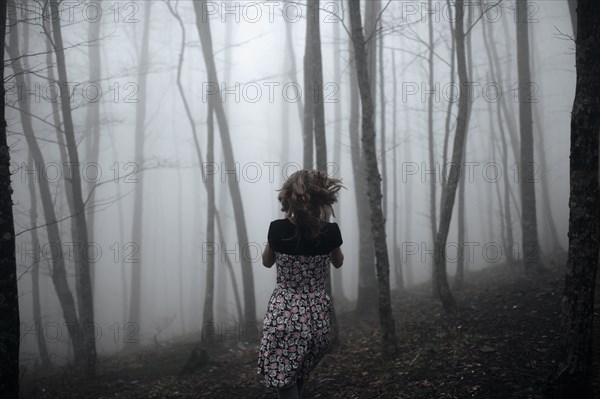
point(296, 330)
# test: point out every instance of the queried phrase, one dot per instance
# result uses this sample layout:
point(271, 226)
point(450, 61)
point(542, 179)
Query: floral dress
point(296, 329)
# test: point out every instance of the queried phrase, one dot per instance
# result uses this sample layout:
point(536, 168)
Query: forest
point(141, 138)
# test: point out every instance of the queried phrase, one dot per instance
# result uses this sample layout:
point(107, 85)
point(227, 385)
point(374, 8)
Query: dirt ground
point(501, 343)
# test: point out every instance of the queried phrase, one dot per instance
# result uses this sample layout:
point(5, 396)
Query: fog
point(261, 103)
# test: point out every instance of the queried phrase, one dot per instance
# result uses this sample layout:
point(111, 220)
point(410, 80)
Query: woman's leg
point(290, 392)
point(300, 385)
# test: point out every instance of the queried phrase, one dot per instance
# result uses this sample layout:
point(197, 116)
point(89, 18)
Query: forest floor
point(501, 343)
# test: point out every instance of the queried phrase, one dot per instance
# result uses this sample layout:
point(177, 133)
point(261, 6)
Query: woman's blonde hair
point(307, 197)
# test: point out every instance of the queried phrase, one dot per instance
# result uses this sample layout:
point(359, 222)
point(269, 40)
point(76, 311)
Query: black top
point(282, 238)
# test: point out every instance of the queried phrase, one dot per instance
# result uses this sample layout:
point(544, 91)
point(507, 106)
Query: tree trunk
point(93, 125)
point(9, 306)
point(460, 262)
point(397, 260)
point(210, 224)
point(530, 244)
point(574, 374)
point(309, 87)
point(35, 269)
point(373, 181)
point(382, 115)
point(431, 147)
point(135, 305)
point(455, 170)
point(204, 32)
point(338, 287)
point(367, 284)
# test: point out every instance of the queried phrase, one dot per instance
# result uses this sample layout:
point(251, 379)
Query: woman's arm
point(337, 257)
point(268, 256)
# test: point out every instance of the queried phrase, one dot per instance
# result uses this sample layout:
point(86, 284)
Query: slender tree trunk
point(573, 377)
point(452, 83)
point(408, 198)
point(9, 306)
point(309, 85)
point(460, 262)
point(382, 115)
point(373, 181)
point(35, 269)
point(455, 171)
point(317, 82)
point(338, 287)
point(530, 243)
point(397, 260)
point(367, 284)
point(204, 32)
point(93, 125)
point(431, 145)
point(135, 305)
point(210, 223)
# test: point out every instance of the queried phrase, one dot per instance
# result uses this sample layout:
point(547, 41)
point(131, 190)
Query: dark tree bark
point(135, 304)
point(530, 243)
point(367, 283)
point(373, 181)
point(204, 32)
point(573, 376)
point(9, 305)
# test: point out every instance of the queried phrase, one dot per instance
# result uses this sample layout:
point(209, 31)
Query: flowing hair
point(306, 198)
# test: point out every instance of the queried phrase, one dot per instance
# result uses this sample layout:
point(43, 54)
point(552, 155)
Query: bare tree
point(573, 376)
point(58, 275)
point(455, 170)
point(79, 229)
point(373, 178)
point(203, 25)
